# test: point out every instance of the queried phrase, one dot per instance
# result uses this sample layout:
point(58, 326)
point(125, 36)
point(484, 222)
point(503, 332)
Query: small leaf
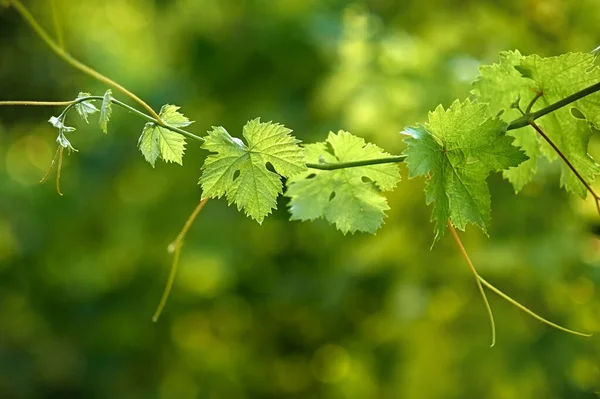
point(239, 171)
point(157, 141)
point(85, 108)
point(62, 129)
point(64, 142)
point(349, 198)
point(105, 111)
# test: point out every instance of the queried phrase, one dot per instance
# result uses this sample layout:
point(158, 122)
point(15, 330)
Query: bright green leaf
point(239, 170)
point(85, 108)
point(516, 77)
point(105, 111)
point(349, 198)
point(157, 141)
point(456, 150)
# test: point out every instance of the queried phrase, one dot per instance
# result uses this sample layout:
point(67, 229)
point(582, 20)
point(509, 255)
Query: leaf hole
point(236, 174)
point(311, 176)
point(365, 179)
point(577, 113)
point(270, 167)
point(332, 196)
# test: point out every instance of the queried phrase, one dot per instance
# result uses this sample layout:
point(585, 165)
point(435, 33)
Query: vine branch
point(527, 118)
point(354, 164)
point(58, 50)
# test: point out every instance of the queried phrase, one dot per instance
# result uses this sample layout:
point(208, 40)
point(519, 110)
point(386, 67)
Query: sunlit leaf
point(157, 141)
point(349, 198)
point(239, 171)
point(456, 150)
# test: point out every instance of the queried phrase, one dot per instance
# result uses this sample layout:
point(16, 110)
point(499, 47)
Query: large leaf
point(240, 170)
point(516, 77)
point(349, 198)
point(456, 150)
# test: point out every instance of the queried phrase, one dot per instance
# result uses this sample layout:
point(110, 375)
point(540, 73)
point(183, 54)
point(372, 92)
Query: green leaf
point(456, 150)
point(105, 111)
point(239, 170)
point(349, 198)
point(521, 77)
point(85, 108)
point(157, 141)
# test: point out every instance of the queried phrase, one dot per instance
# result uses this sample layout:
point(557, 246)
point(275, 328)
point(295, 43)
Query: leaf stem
point(569, 164)
point(533, 101)
point(175, 248)
point(58, 50)
point(477, 279)
point(354, 164)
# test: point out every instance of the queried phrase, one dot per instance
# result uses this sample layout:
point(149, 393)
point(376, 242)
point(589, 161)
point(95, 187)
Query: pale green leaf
point(516, 77)
point(456, 150)
point(157, 141)
point(105, 111)
point(349, 198)
point(62, 129)
point(239, 171)
point(85, 108)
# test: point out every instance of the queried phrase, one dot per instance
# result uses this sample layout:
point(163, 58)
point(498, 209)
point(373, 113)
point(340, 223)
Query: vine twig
point(477, 280)
point(175, 249)
point(481, 281)
point(528, 311)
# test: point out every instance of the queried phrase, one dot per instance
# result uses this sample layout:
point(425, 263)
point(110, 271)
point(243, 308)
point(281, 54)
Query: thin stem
point(532, 103)
point(57, 26)
point(566, 160)
point(175, 248)
point(59, 168)
point(528, 311)
point(37, 103)
point(51, 165)
point(57, 49)
point(354, 164)
point(477, 279)
point(525, 119)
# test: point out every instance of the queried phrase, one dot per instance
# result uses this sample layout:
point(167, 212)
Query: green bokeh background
point(283, 309)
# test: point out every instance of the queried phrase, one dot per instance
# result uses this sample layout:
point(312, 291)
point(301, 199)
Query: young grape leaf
point(157, 141)
point(517, 77)
point(456, 150)
point(349, 198)
point(62, 129)
point(105, 111)
point(85, 108)
point(240, 171)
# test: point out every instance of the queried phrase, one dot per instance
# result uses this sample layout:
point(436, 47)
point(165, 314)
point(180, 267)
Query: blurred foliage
point(285, 309)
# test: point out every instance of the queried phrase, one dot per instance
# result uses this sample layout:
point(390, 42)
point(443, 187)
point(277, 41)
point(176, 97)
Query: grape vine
point(521, 109)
